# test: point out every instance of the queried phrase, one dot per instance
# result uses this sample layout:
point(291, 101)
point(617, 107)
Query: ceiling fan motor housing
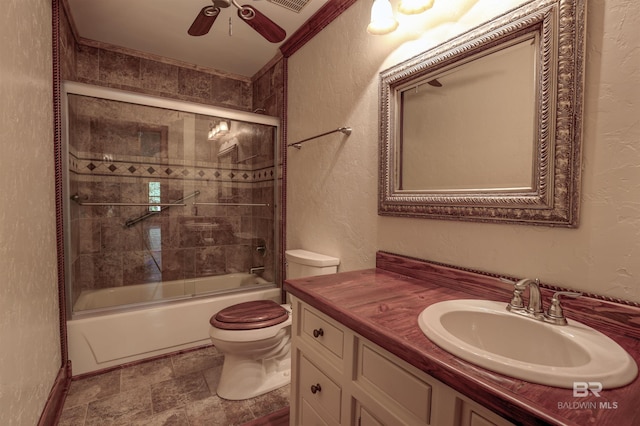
point(259, 22)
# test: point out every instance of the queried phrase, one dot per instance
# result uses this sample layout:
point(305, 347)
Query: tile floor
point(177, 390)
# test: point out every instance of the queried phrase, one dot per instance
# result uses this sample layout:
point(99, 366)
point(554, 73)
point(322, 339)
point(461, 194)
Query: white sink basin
point(484, 333)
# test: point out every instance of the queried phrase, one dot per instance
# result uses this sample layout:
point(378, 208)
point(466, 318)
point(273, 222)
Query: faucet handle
point(516, 302)
point(555, 313)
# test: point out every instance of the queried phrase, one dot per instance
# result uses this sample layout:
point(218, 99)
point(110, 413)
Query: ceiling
point(159, 27)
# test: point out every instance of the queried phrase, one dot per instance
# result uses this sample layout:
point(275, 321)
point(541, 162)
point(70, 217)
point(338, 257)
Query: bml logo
point(582, 389)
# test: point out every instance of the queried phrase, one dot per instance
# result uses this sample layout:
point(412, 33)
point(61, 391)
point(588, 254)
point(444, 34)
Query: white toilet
point(255, 336)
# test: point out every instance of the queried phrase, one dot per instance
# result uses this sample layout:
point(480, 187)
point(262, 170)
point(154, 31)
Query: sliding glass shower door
point(166, 200)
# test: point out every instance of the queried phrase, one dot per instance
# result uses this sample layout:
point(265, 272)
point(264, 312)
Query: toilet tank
point(303, 263)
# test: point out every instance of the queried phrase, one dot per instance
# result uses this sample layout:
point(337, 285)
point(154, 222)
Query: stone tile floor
point(176, 390)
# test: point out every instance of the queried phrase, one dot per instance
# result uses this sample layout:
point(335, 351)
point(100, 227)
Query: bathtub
point(166, 290)
point(111, 338)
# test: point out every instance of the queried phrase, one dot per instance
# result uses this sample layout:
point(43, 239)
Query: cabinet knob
point(317, 332)
point(316, 388)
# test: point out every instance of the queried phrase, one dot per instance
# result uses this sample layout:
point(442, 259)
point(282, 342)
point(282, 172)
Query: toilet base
point(244, 378)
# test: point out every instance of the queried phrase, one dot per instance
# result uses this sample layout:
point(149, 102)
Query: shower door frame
point(82, 89)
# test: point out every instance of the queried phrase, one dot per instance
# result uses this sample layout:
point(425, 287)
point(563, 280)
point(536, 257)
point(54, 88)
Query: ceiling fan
point(253, 17)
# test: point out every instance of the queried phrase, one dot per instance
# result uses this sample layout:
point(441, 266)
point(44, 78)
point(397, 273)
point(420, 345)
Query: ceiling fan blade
point(203, 22)
point(263, 25)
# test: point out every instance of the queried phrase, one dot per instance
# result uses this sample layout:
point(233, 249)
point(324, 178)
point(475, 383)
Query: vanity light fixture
point(413, 7)
point(382, 19)
point(221, 126)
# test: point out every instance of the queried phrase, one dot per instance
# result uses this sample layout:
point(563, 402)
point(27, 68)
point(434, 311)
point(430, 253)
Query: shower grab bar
point(234, 204)
point(179, 202)
point(345, 130)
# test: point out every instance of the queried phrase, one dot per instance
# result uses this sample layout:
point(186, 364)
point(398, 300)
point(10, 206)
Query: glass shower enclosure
point(166, 200)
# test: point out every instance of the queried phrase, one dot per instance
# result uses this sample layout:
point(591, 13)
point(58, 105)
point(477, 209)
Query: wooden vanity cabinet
point(341, 378)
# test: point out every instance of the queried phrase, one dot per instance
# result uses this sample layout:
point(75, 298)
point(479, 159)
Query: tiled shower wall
point(117, 149)
point(110, 66)
point(103, 252)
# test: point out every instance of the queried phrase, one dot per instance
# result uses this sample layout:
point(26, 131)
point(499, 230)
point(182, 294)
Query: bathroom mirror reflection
point(487, 127)
point(458, 125)
point(167, 202)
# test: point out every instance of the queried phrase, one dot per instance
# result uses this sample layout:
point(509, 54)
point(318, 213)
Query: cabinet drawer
point(321, 331)
point(319, 390)
point(375, 371)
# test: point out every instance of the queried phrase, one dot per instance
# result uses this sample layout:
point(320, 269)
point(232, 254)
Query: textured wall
point(332, 186)
point(29, 335)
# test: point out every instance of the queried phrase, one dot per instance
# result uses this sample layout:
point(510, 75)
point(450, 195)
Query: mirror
point(487, 127)
point(438, 153)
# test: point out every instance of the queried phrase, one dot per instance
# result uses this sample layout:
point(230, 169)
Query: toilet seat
point(250, 316)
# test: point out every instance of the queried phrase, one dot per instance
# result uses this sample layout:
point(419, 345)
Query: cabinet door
point(472, 414)
point(319, 391)
point(365, 418)
point(309, 416)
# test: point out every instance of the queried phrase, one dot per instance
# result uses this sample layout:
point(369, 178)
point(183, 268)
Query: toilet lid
point(250, 315)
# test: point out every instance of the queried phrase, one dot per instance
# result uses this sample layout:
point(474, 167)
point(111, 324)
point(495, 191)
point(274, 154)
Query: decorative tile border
point(116, 168)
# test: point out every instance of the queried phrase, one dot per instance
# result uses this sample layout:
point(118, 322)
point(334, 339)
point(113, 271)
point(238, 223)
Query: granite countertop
point(383, 305)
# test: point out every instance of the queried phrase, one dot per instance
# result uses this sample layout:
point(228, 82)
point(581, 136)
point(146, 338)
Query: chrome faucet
point(535, 309)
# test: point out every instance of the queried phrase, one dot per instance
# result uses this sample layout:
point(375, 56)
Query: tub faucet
point(256, 269)
point(534, 308)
